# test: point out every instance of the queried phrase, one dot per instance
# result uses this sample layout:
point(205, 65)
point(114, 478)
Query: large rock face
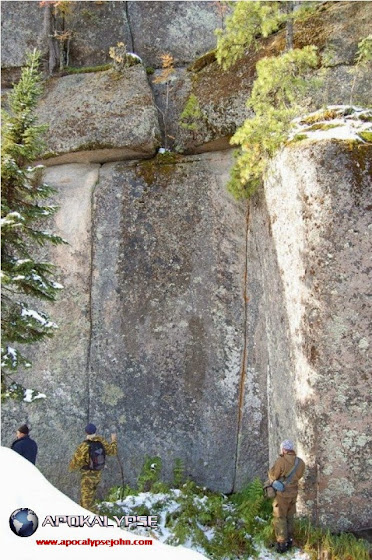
point(153, 338)
point(198, 327)
point(60, 364)
point(168, 314)
point(318, 199)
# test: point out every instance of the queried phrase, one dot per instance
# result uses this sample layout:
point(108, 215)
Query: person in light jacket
point(284, 504)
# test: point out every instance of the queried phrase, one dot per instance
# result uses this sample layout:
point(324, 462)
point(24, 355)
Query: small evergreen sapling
point(362, 60)
point(25, 277)
point(191, 115)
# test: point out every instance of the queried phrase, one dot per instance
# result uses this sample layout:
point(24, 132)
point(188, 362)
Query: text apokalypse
point(100, 520)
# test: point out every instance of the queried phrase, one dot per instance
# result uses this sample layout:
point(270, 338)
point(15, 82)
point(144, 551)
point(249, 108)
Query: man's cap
point(90, 429)
point(23, 429)
point(287, 444)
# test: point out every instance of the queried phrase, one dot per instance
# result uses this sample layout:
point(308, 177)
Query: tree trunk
point(289, 27)
point(52, 47)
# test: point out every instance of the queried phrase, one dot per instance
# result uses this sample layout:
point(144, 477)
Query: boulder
point(184, 30)
point(96, 26)
point(21, 32)
point(100, 116)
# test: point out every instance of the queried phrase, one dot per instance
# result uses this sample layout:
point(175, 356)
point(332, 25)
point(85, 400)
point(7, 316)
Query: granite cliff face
point(318, 200)
point(196, 326)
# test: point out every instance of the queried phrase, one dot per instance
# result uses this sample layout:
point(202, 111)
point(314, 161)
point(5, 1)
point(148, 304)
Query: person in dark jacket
point(24, 445)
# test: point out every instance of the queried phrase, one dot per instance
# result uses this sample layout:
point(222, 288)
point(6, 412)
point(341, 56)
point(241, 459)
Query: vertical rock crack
point(90, 306)
point(243, 371)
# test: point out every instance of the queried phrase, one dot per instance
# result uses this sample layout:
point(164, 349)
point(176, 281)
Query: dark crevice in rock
point(340, 64)
point(243, 371)
point(126, 7)
point(90, 299)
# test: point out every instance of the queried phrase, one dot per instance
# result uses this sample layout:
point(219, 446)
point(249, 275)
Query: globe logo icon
point(23, 522)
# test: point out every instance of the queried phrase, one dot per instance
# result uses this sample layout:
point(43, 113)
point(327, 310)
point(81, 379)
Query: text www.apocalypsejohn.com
point(93, 542)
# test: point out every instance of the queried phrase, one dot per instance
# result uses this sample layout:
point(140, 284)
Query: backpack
point(97, 456)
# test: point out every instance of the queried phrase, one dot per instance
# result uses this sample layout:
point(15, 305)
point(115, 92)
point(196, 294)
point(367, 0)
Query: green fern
point(178, 473)
point(150, 473)
point(252, 492)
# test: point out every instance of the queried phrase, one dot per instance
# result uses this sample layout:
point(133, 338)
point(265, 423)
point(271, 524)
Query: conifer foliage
point(248, 22)
point(26, 279)
point(282, 88)
point(278, 95)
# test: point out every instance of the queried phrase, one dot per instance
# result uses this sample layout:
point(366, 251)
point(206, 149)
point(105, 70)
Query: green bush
point(191, 116)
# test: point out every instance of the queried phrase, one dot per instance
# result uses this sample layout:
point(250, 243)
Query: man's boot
point(281, 547)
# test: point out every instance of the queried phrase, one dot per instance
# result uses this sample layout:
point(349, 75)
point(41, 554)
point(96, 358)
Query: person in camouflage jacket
point(81, 459)
point(284, 504)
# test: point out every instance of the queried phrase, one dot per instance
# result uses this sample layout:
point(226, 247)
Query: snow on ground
point(23, 486)
point(29, 395)
point(170, 505)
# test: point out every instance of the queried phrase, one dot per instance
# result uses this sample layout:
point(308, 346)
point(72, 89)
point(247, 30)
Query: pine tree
point(278, 96)
point(248, 22)
point(25, 279)
point(278, 93)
